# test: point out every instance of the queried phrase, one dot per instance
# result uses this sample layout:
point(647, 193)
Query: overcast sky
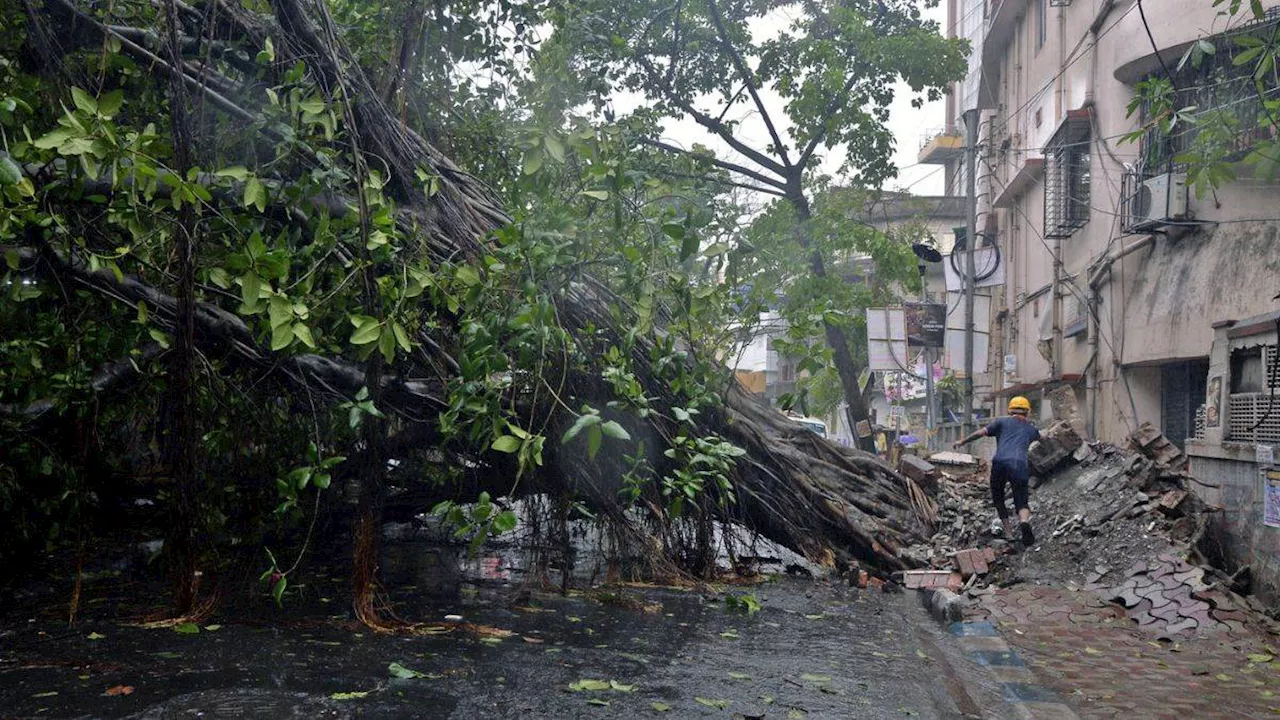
point(909, 125)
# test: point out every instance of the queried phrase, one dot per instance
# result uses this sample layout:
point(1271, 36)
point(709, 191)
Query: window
point(1226, 101)
point(1066, 177)
point(1042, 22)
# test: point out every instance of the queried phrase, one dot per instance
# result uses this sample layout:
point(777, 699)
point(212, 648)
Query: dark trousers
point(1014, 475)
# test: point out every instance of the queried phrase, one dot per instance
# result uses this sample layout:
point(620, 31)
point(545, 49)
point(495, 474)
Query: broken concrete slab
point(921, 471)
point(1057, 443)
point(953, 458)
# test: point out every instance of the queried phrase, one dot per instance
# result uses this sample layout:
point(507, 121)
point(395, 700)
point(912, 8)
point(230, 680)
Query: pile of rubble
point(1124, 523)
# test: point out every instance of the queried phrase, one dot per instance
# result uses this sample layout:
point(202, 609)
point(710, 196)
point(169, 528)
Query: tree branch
point(742, 69)
point(779, 185)
point(821, 134)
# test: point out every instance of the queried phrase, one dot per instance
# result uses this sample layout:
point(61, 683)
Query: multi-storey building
point(1151, 301)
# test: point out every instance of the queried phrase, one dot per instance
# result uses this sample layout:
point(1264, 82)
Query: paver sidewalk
point(1103, 665)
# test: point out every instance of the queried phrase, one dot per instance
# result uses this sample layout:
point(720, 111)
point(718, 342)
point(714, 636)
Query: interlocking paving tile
point(1023, 692)
point(996, 657)
point(973, 629)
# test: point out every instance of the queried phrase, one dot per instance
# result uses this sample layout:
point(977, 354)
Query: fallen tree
point(406, 214)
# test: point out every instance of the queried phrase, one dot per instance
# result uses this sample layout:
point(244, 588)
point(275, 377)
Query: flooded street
point(813, 649)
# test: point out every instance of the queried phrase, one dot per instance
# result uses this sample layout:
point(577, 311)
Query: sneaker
point(1028, 537)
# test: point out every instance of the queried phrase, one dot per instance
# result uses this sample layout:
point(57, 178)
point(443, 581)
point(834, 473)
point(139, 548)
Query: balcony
point(941, 145)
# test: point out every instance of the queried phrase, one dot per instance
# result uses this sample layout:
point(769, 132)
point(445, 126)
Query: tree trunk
point(841, 355)
point(181, 434)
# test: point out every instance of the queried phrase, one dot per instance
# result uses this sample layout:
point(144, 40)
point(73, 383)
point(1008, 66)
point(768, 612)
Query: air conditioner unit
point(1159, 201)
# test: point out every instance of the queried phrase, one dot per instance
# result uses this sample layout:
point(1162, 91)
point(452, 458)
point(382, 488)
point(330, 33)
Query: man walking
point(1014, 435)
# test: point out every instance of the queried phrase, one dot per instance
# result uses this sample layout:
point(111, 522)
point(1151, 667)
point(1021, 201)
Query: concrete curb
point(945, 606)
point(981, 642)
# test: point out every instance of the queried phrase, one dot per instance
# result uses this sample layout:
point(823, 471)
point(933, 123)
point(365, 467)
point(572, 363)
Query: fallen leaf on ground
point(399, 671)
point(95, 636)
point(660, 706)
point(116, 690)
point(739, 676)
point(620, 687)
point(810, 677)
point(349, 695)
point(814, 617)
point(598, 701)
point(921, 654)
point(1261, 658)
point(186, 628)
point(720, 704)
point(1091, 651)
point(730, 634)
point(213, 627)
point(589, 685)
point(533, 640)
point(794, 714)
point(1223, 677)
point(51, 693)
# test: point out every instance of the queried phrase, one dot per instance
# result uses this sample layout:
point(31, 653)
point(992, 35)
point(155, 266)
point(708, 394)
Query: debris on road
point(1122, 524)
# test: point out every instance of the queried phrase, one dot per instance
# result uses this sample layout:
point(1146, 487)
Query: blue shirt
point(1013, 438)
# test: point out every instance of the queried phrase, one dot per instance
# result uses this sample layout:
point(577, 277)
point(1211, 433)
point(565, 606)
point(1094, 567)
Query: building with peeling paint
point(1120, 281)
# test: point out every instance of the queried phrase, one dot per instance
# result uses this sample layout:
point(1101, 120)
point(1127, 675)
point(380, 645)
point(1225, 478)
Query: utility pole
point(971, 119)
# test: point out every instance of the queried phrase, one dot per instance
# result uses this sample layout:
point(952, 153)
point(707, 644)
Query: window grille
point(1220, 92)
point(1067, 178)
point(1255, 416)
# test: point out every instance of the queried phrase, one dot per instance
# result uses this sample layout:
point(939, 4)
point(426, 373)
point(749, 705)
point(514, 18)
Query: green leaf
point(281, 337)
point(10, 173)
point(303, 333)
point(739, 676)
point(387, 343)
point(250, 290)
point(110, 103)
point(255, 194)
point(689, 247)
point(621, 687)
point(596, 194)
point(322, 480)
point(467, 275)
point(52, 139)
point(504, 521)
point(594, 438)
point(716, 249)
point(277, 589)
point(95, 636)
point(532, 162)
point(615, 431)
point(1260, 657)
point(235, 172)
point(589, 685)
point(366, 332)
point(583, 422)
point(718, 704)
point(402, 337)
point(279, 311)
point(399, 671)
point(810, 677)
point(554, 148)
point(84, 101)
point(186, 628)
point(160, 336)
point(660, 706)
point(213, 628)
point(506, 443)
point(347, 695)
point(598, 701)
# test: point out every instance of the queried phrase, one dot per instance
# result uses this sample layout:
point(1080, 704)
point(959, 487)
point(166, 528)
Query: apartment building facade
point(1155, 303)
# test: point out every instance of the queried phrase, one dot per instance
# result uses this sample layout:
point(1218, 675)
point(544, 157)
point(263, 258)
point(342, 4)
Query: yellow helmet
point(1019, 404)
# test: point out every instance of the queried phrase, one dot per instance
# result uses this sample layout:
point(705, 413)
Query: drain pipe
point(1096, 277)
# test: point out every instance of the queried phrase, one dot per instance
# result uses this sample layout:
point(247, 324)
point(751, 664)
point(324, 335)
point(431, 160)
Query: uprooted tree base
point(835, 505)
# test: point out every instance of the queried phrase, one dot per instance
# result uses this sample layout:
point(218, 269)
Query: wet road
point(813, 650)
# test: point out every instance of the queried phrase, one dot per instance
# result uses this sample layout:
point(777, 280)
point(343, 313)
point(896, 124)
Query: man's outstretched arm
point(982, 432)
